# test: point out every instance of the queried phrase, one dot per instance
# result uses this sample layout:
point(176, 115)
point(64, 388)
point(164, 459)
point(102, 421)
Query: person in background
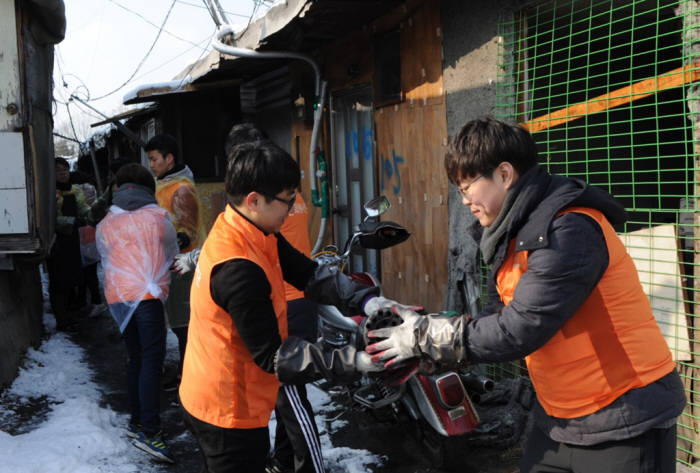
point(175, 192)
point(64, 263)
point(88, 251)
point(238, 347)
point(137, 243)
point(565, 295)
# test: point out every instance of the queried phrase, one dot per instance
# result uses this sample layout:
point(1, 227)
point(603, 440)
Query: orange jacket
point(178, 196)
point(296, 231)
point(610, 345)
point(221, 384)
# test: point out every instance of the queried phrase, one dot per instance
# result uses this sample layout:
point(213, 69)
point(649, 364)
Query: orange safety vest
point(296, 231)
point(610, 345)
point(221, 384)
point(184, 220)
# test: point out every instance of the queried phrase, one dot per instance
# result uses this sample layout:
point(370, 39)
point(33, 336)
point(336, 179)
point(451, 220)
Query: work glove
point(298, 361)
point(186, 262)
point(438, 338)
point(377, 304)
point(183, 240)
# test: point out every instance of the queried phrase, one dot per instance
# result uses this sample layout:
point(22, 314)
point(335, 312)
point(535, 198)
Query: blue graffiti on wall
point(367, 142)
point(391, 168)
point(352, 144)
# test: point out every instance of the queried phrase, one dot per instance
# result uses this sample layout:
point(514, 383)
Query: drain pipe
point(320, 92)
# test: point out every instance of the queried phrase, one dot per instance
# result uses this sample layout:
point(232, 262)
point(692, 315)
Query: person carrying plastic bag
point(137, 243)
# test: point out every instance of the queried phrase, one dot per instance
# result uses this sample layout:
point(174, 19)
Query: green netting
point(609, 90)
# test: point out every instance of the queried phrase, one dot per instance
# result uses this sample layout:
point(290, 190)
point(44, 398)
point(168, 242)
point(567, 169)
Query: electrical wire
point(241, 15)
point(70, 117)
point(204, 40)
point(151, 23)
point(160, 30)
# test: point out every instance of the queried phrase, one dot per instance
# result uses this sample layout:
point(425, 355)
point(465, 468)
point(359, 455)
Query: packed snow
point(76, 435)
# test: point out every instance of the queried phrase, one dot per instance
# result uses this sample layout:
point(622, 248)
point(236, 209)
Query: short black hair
point(165, 144)
point(484, 143)
point(243, 133)
point(261, 166)
point(118, 162)
point(62, 162)
point(134, 173)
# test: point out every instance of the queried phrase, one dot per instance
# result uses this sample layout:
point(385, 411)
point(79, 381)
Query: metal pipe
point(319, 89)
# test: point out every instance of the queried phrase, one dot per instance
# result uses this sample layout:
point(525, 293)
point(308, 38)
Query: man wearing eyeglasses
point(567, 298)
point(238, 350)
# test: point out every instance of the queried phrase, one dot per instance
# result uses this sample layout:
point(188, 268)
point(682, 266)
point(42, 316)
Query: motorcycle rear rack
point(365, 395)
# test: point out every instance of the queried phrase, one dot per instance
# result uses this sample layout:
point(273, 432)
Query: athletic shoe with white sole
point(154, 446)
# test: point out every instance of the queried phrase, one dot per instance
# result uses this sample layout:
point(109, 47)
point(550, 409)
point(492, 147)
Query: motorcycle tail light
point(450, 389)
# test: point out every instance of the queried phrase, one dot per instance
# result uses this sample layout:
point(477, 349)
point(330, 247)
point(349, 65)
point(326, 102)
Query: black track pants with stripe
point(296, 436)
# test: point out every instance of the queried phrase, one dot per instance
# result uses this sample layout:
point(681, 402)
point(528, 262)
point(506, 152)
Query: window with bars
point(608, 90)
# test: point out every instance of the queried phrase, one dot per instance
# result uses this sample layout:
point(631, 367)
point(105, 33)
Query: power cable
point(200, 6)
point(194, 63)
point(160, 30)
point(150, 22)
point(205, 40)
point(70, 117)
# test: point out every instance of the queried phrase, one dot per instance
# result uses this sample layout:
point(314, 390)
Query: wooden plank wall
point(411, 139)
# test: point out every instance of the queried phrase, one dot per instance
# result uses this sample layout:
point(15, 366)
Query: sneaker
point(133, 430)
point(275, 466)
point(153, 445)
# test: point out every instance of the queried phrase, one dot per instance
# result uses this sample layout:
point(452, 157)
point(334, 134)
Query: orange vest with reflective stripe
point(190, 223)
point(610, 345)
point(296, 231)
point(221, 384)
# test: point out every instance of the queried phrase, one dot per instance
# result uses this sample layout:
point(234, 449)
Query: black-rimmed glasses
point(290, 202)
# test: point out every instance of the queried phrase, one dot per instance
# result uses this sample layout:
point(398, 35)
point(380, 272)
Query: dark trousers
point(90, 283)
point(229, 450)
point(296, 437)
point(652, 452)
point(145, 344)
point(181, 334)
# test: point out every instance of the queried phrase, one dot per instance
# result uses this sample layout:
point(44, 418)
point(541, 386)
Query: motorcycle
point(438, 406)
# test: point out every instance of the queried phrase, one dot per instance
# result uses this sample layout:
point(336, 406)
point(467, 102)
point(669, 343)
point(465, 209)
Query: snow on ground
point(79, 436)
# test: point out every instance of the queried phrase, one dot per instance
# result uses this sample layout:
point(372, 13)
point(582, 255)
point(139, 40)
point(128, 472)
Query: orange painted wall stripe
point(621, 96)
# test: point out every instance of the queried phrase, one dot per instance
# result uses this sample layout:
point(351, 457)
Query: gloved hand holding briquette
point(436, 337)
point(379, 303)
point(186, 262)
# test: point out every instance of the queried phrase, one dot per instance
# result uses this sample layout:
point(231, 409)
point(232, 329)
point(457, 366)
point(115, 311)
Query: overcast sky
point(107, 40)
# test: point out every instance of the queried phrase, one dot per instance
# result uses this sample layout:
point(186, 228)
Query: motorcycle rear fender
point(446, 422)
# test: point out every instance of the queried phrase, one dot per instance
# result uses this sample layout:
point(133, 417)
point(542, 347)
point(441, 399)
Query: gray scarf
point(514, 208)
point(131, 196)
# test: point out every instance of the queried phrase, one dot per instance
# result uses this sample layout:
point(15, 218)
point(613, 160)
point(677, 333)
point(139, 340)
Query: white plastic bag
point(137, 249)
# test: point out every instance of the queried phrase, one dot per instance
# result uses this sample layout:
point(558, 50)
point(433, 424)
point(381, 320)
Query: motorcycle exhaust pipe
point(476, 385)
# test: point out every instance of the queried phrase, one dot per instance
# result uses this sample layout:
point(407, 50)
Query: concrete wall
point(470, 71)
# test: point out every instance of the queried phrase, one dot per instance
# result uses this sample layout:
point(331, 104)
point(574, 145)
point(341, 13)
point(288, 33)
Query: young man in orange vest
point(238, 350)
point(297, 444)
point(568, 299)
point(176, 193)
point(137, 244)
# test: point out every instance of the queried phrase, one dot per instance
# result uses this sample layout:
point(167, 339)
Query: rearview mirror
point(377, 206)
